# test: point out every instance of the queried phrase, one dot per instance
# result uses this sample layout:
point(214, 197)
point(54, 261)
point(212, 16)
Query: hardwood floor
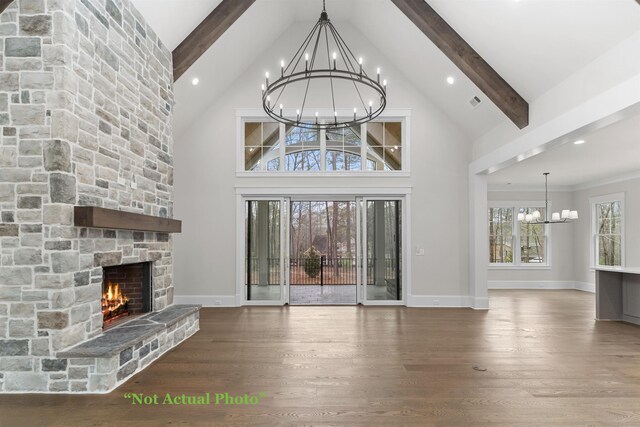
point(548, 363)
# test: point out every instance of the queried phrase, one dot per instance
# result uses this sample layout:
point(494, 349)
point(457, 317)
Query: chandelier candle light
point(556, 218)
point(325, 60)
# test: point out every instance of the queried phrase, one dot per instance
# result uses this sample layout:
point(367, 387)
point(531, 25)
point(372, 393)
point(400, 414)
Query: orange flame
point(113, 299)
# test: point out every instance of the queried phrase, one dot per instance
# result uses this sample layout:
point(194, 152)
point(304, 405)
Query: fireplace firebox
point(126, 292)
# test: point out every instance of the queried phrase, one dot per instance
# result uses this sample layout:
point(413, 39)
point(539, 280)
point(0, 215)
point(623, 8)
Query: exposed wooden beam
point(4, 4)
point(206, 33)
point(467, 60)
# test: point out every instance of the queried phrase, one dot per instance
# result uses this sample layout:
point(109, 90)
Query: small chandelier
point(556, 218)
point(325, 62)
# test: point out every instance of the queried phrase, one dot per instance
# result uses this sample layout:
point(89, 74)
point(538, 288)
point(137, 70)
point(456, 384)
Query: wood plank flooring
point(548, 363)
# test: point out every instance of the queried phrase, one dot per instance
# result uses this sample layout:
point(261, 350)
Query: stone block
point(107, 258)
point(144, 351)
point(14, 175)
point(22, 310)
point(22, 47)
point(8, 29)
point(14, 348)
point(58, 214)
point(101, 382)
point(7, 193)
point(68, 337)
point(62, 188)
point(31, 7)
point(53, 319)
point(23, 64)
point(54, 365)
point(64, 30)
point(36, 80)
point(57, 155)
point(25, 381)
point(8, 157)
point(58, 386)
point(27, 256)
point(9, 230)
point(81, 278)
point(35, 25)
point(22, 328)
point(40, 347)
point(64, 125)
point(126, 355)
point(29, 202)
point(27, 115)
point(78, 386)
point(81, 313)
point(60, 245)
point(78, 373)
point(127, 370)
point(16, 364)
point(106, 365)
point(16, 276)
point(53, 281)
point(64, 262)
point(9, 82)
point(89, 293)
point(61, 299)
point(9, 293)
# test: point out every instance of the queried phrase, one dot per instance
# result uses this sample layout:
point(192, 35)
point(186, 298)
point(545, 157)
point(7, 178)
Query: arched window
point(272, 147)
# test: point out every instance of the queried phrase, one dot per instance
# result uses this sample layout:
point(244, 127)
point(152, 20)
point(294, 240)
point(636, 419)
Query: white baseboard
point(585, 286)
point(479, 303)
point(439, 301)
point(541, 284)
point(207, 300)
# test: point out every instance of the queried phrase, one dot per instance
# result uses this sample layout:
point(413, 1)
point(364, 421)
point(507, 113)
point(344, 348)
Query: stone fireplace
point(126, 292)
point(85, 115)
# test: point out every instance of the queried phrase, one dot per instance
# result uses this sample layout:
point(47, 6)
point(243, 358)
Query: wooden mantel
point(95, 217)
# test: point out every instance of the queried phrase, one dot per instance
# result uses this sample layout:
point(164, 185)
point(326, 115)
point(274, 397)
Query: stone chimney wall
point(85, 119)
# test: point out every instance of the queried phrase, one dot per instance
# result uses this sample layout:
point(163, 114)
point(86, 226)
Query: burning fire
point(113, 299)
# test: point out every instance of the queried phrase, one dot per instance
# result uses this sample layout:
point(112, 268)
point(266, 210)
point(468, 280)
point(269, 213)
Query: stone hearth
point(85, 110)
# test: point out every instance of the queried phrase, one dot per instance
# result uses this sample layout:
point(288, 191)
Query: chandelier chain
point(343, 67)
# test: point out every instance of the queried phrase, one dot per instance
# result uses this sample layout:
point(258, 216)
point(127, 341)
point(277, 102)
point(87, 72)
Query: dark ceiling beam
point(206, 33)
point(467, 60)
point(4, 4)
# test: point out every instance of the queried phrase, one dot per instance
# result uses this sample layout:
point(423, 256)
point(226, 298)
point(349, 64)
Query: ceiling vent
point(475, 101)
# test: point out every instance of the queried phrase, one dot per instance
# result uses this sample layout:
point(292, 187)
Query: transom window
point(608, 230)
point(513, 243)
point(275, 147)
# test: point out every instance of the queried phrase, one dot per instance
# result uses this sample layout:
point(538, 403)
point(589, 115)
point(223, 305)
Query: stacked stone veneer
point(85, 119)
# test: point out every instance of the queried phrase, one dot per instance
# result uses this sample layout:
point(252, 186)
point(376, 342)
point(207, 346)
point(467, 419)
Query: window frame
point(594, 247)
point(517, 263)
point(389, 115)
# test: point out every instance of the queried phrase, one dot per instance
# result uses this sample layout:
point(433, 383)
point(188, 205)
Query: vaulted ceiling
point(532, 44)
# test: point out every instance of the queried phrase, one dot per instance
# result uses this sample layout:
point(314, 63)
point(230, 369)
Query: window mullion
point(516, 238)
point(363, 146)
point(282, 152)
point(323, 150)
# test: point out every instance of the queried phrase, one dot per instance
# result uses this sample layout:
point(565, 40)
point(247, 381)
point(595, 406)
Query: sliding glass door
point(381, 250)
point(265, 230)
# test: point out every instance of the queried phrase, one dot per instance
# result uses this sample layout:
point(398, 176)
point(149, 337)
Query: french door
point(270, 259)
point(265, 251)
point(380, 254)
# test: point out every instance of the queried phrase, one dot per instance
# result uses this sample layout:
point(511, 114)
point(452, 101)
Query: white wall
point(205, 182)
point(582, 236)
point(561, 235)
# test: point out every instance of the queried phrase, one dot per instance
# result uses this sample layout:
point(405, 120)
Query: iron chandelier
point(556, 218)
point(325, 60)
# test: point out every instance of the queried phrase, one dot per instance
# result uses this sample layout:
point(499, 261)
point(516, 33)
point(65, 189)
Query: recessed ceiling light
point(578, 142)
point(451, 80)
point(195, 81)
